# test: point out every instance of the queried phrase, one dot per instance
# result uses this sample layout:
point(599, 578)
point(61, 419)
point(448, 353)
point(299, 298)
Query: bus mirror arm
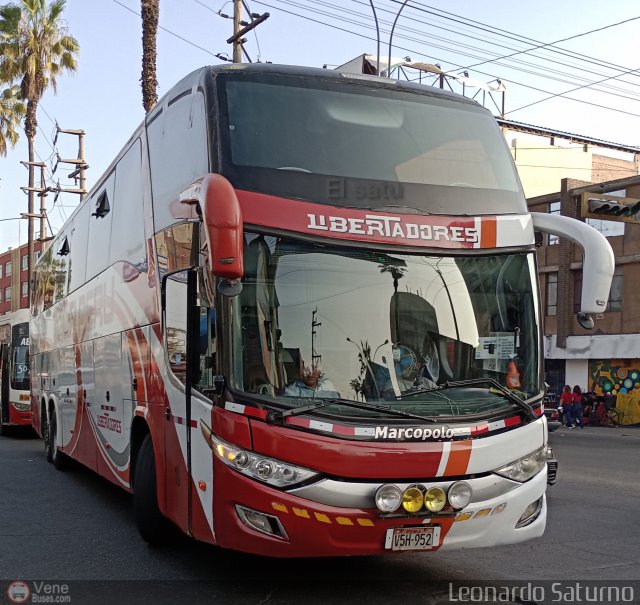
point(223, 228)
point(598, 264)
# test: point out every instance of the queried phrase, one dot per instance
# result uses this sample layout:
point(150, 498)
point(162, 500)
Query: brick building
point(606, 358)
point(13, 278)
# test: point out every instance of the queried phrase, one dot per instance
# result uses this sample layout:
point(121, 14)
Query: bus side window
point(175, 317)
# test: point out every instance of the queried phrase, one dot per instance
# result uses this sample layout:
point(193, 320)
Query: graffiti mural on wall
point(613, 376)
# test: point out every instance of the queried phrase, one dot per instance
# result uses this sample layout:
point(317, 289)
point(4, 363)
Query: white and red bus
point(299, 316)
point(15, 406)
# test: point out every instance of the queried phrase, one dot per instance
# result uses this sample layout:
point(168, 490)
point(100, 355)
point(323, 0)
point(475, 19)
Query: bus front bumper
point(18, 416)
point(251, 517)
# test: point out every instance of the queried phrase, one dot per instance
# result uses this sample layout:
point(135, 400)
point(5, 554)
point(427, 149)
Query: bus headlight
point(459, 494)
point(21, 406)
point(388, 498)
point(262, 468)
point(526, 467)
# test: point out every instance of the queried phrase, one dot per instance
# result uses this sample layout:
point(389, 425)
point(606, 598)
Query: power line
point(455, 50)
point(507, 34)
point(559, 94)
point(167, 30)
point(414, 51)
point(547, 44)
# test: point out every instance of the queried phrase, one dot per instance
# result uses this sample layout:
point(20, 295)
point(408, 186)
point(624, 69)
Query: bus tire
point(58, 458)
point(151, 523)
point(46, 436)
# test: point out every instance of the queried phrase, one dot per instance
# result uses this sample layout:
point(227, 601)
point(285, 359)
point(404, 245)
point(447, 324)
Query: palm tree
point(35, 48)
point(11, 113)
point(150, 10)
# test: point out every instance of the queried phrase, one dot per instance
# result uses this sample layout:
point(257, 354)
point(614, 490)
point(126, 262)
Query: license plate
point(413, 538)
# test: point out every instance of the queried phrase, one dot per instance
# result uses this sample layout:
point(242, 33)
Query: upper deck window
point(303, 126)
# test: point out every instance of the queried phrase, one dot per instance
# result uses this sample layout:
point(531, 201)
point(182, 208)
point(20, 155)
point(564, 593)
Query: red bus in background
point(15, 406)
point(299, 316)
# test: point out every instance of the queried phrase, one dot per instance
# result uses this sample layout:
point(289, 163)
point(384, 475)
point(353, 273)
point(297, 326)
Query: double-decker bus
point(15, 406)
point(299, 316)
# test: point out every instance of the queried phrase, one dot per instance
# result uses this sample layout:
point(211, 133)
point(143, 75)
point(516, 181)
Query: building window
point(25, 262)
point(36, 256)
point(552, 293)
point(554, 240)
point(615, 294)
point(25, 289)
point(0, 269)
point(7, 294)
point(7, 269)
point(0, 295)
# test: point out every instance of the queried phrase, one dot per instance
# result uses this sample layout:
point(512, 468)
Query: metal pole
point(391, 37)
point(43, 206)
point(83, 176)
point(375, 18)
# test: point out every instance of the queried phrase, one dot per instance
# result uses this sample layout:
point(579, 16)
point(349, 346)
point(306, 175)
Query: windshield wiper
point(348, 403)
point(452, 384)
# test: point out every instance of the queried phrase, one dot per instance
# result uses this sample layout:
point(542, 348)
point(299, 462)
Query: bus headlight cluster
point(262, 468)
point(526, 467)
point(415, 498)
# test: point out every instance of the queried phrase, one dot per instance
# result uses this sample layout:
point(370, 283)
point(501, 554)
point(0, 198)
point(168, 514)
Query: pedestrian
point(576, 408)
point(566, 403)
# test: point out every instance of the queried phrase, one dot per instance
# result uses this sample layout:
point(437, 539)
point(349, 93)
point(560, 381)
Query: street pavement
point(75, 527)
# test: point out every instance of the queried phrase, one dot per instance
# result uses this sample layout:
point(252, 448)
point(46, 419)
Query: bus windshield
point(334, 139)
point(20, 368)
point(20, 356)
point(378, 327)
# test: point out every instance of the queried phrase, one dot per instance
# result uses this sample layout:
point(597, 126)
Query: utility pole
point(237, 43)
point(240, 28)
point(79, 174)
point(30, 214)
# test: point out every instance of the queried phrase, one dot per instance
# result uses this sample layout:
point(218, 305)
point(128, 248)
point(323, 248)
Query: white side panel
point(66, 387)
point(110, 384)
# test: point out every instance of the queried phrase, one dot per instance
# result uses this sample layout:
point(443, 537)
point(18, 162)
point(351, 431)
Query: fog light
point(530, 513)
point(412, 499)
point(460, 494)
point(388, 498)
point(435, 499)
point(266, 524)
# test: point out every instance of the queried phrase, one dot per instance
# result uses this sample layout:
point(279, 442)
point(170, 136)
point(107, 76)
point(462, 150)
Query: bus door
point(4, 383)
point(182, 329)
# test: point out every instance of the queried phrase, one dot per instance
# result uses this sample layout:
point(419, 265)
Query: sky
point(571, 65)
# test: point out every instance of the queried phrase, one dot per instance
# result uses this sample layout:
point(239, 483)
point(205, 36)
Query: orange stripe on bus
point(489, 233)
point(458, 458)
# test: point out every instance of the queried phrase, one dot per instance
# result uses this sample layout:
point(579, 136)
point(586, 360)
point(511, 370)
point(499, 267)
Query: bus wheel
point(46, 437)
point(44, 431)
point(58, 458)
point(152, 525)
